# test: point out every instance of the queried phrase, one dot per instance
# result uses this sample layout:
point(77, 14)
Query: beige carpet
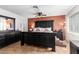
point(26, 49)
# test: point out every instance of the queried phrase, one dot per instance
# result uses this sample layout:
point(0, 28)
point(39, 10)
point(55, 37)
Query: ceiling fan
point(37, 11)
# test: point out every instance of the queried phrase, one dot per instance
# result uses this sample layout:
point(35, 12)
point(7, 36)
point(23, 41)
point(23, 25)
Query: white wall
point(19, 19)
point(71, 35)
point(24, 23)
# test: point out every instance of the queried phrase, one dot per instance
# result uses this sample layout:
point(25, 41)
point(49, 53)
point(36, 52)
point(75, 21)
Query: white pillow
point(36, 29)
point(47, 29)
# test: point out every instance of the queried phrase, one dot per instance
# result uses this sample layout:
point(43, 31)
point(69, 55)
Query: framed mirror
point(7, 23)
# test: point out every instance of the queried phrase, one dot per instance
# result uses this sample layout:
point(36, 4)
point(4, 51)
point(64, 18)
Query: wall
point(71, 35)
point(58, 21)
point(19, 19)
point(24, 23)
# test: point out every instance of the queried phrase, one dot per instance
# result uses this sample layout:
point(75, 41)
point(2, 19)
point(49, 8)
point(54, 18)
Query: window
point(74, 23)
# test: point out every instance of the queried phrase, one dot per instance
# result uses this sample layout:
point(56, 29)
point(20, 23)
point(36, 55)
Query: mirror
point(7, 23)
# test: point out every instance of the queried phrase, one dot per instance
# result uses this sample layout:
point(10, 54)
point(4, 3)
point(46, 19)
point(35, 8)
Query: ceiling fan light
point(35, 7)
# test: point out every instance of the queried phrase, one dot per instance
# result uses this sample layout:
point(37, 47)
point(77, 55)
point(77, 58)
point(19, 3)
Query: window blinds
point(74, 23)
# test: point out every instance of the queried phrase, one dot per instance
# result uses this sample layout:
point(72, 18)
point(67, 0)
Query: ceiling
point(27, 10)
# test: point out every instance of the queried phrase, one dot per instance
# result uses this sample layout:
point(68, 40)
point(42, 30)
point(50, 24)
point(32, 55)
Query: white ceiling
point(27, 10)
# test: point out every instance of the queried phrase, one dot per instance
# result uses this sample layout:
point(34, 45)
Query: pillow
point(36, 29)
point(47, 29)
point(42, 29)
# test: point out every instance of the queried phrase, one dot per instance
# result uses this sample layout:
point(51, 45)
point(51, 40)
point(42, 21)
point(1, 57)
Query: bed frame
point(41, 39)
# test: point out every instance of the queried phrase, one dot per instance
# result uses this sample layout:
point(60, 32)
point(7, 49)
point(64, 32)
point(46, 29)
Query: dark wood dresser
point(74, 46)
point(9, 37)
point(42, 39)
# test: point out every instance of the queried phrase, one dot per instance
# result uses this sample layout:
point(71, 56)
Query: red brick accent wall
point(58, 21)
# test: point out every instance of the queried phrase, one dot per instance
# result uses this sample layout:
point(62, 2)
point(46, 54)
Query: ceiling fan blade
point(35, 7)
point(38, 13)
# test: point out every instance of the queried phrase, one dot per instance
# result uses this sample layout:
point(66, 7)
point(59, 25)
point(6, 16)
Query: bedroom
point(34, 27)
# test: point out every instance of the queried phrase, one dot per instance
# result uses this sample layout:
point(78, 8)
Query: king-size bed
point(41, 35)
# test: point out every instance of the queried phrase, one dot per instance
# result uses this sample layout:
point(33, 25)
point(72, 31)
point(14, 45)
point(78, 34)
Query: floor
point(26, 49)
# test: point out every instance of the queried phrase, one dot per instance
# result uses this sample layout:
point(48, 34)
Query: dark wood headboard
point(44, 24)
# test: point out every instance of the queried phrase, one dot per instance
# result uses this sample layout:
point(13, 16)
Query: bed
point(40, 39)
point(41, 36)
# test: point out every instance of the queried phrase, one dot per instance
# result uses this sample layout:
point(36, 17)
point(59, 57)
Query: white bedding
point(38, 29)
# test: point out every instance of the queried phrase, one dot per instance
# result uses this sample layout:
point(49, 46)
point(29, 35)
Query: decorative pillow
point(42, 29)
point(36, 29)
point(47, 29)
